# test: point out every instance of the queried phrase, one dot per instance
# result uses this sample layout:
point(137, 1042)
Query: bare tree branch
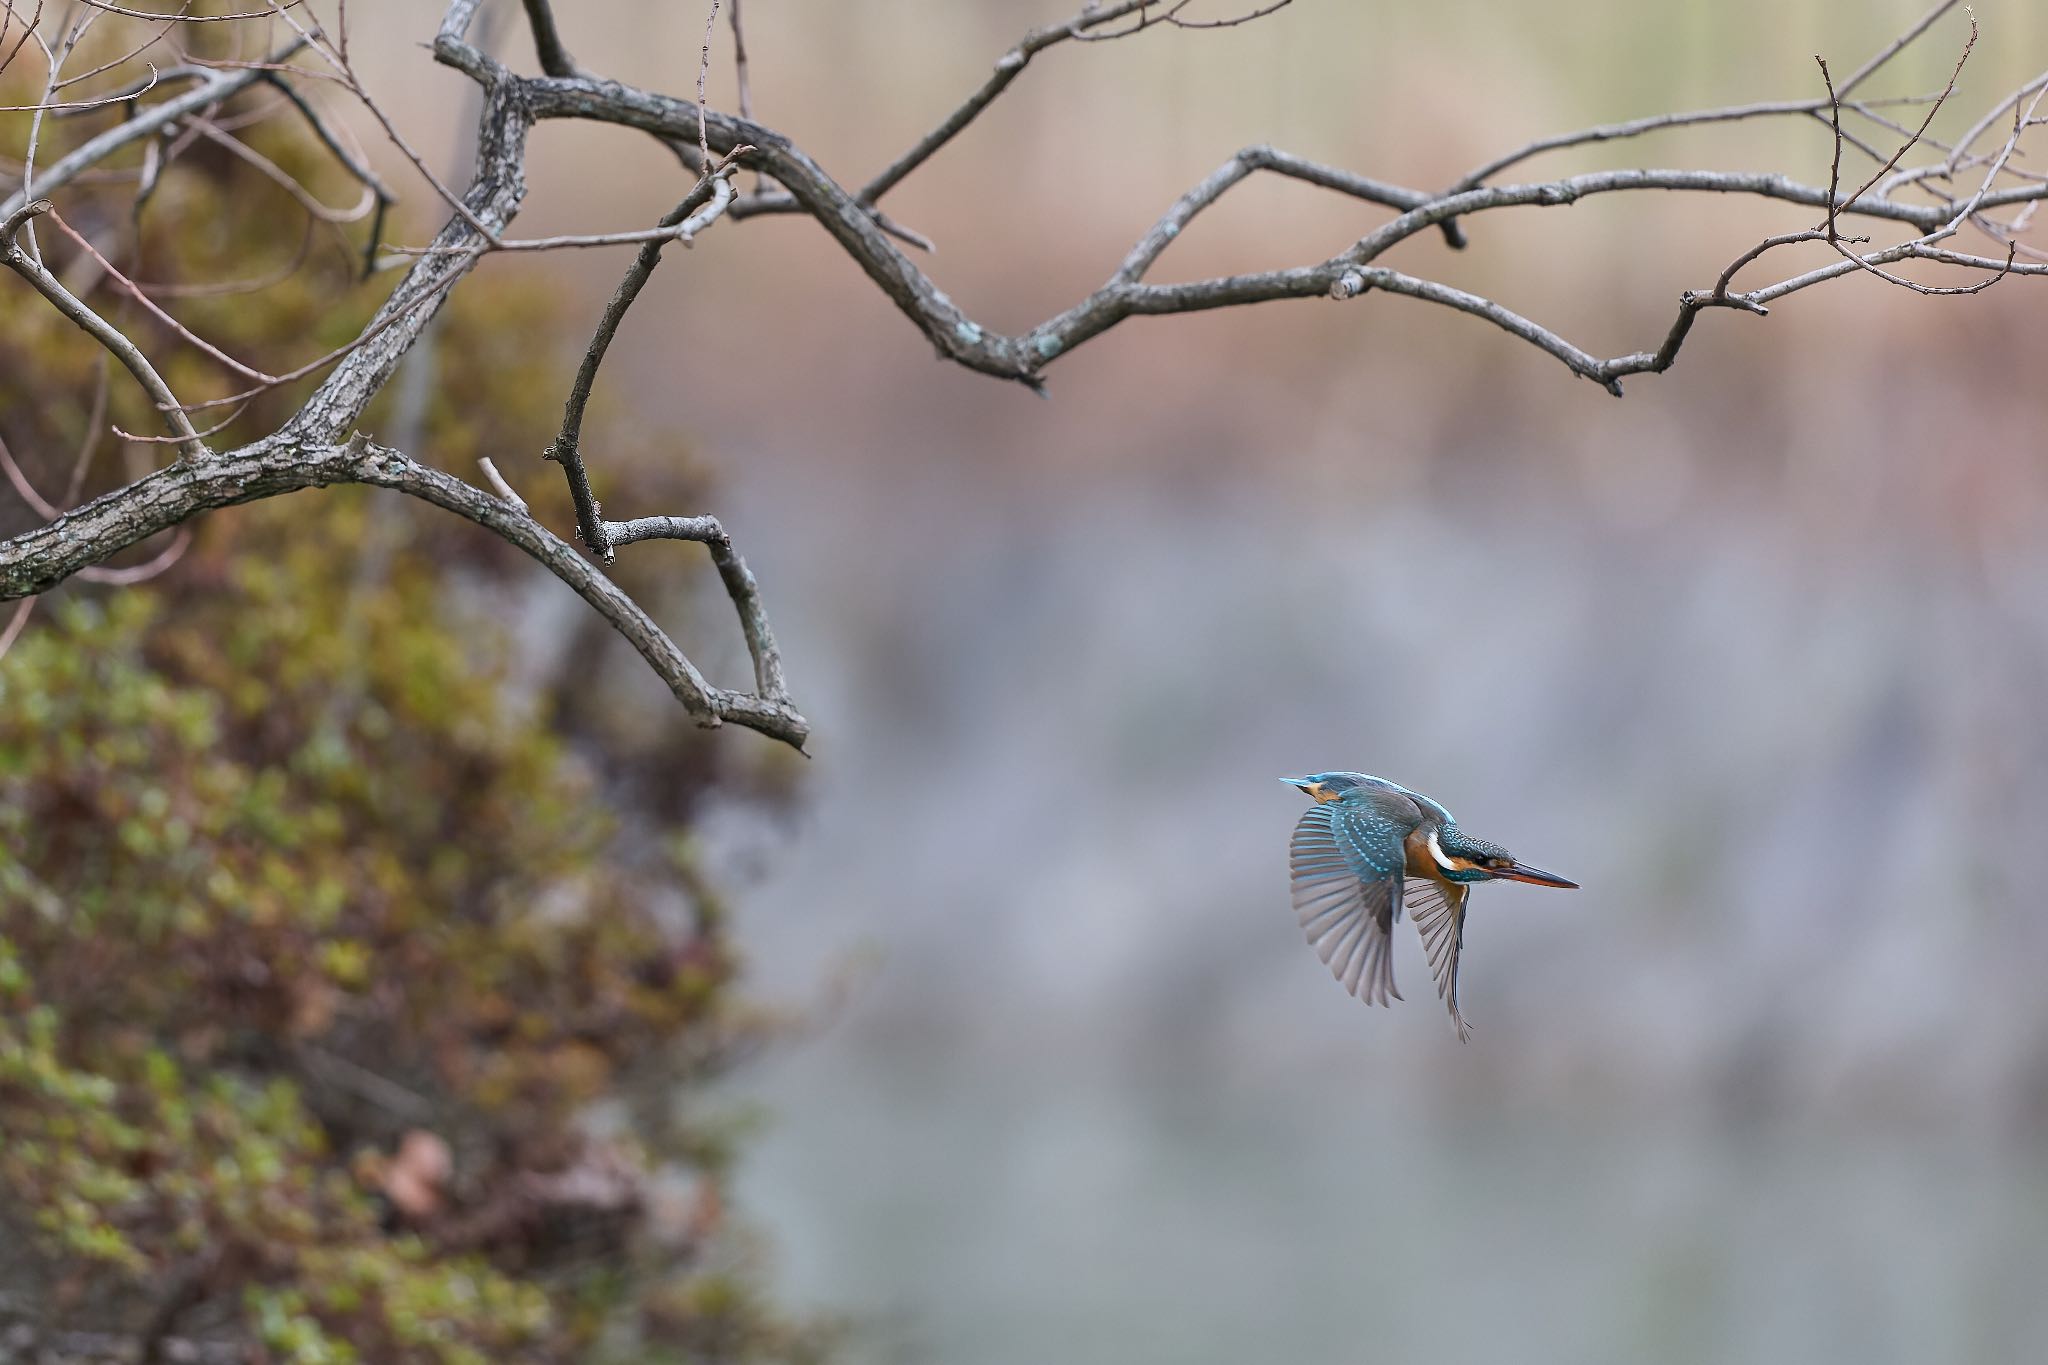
point(567, 449)
point(497, 481)
point(739, 585)
point(16, 622)
point(77, 106)
point(1613, 132)
point(1023, 356)
point(38, 560)
point(310, 451)
point(320, 444)
point(1899, 44)
point(179, 17)
point(215, 89)
point(1008, 67)
point(739, 62)
point(94, 326)
point(28, 30)
point(547, 39)
point(1835, 121)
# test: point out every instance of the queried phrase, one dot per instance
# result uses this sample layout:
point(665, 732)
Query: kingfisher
point(1367, 847)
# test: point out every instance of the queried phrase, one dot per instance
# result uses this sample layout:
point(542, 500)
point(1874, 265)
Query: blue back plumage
point(1368, 839)
point(1359, 786)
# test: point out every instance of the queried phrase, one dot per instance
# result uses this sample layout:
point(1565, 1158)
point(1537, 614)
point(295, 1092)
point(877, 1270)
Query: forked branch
point(320, 444)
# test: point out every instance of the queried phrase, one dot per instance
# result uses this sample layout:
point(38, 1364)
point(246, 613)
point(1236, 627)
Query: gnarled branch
point(316, 446)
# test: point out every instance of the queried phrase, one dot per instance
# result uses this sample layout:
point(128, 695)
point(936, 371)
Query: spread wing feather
point(1345, 864)
point(1439, 913)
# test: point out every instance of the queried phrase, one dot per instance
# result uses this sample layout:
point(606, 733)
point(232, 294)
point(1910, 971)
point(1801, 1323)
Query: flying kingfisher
point(1366, 847)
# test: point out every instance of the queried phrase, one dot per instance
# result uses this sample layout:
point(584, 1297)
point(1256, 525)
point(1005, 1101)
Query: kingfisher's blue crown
point(1460, 844)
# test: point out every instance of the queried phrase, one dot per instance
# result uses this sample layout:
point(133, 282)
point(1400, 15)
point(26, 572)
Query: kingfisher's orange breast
point(1420, 863)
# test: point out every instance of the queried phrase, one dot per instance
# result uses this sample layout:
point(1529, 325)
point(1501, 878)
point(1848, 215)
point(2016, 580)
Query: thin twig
point(1610, 132)
point(739, 62)
point(283, 179)
point(350, 157)
point(739, 586)
point(106, 6)
point(146, 123)
point(505, 490)
point(15, 624)
point(1977, 129)
point(682, 232)
point(1835, 106)
point(547, 39)
point(222, 425)
point(763, 202)
point(1008, 67)
point(37, 503)
point(347, 76)
point(183, 332)
point(1172, 16)
point(181, 541)
point(53, 61)
point(1898, 45)
point(1148, 248)
point(1864, 262)
point(75, 106)
point(400, 307)
point(567, 448)
point(89, 443)
point(28, 30)
point(1767, 244)
point(703, 75)
point(95, 326)
point(1834, 167)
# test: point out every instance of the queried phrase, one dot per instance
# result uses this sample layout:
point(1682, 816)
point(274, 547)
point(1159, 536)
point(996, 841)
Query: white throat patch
point(1436, 851)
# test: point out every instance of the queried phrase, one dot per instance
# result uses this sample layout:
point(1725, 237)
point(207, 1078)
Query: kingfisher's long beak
point(1522, 872)
point(1316, 790)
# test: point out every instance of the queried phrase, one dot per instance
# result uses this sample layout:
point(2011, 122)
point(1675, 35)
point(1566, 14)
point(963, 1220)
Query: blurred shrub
point(357, 988)
point(314, 962)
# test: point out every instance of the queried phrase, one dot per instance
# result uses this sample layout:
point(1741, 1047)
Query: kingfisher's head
point(1323, 787)
point(1466, 859)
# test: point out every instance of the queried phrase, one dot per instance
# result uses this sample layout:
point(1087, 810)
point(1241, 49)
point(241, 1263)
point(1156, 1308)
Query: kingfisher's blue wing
point(1439, 912)
point(1346, 863)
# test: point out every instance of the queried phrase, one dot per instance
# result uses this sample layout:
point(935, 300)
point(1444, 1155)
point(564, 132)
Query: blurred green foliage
point(268, 904)
point(354, 1004)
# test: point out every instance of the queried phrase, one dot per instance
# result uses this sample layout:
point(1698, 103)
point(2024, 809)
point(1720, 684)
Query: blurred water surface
point(1012, 1216)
